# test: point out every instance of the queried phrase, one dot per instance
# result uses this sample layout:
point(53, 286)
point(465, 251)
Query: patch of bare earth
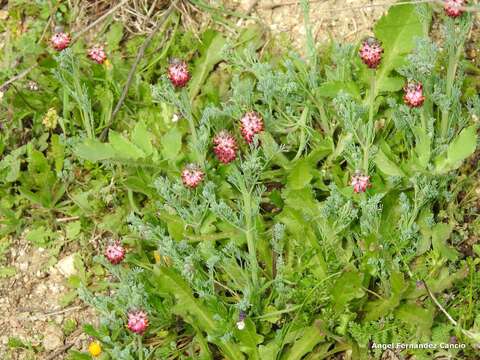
point(31, 306)
point(340, 20)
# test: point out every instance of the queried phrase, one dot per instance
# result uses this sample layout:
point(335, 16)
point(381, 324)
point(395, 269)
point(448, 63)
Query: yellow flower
point(164, 260)
point(94, 348)
point(50, 119)
point(108, 64)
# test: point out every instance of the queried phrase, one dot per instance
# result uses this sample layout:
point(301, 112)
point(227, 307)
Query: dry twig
point(139, 56)
point(58, 352)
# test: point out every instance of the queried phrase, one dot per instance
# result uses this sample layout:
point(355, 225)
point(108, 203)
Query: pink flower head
point(413, 96)
point(371, 52)
point(192, 176)
point(97, 54)
point(453, 8)
point(178, 73)
point(60, 41)
point(360, 182)
point(115, 253)
point(250, 124)
point(137, 321)
point(225, 147)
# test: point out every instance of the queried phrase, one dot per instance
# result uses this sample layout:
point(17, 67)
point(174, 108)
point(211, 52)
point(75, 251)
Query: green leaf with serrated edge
point(211, 54)
point(458, 150)
point(330, 89)
point(123, 148)
point(308, 338)
point(397, 31)
point(114, 36)
point(187, 306)
point(346, 288)
point(384, 164)
point(94, 150)
point(300, 175)
point(142, 138)
point(417, 317)
point(391, 84)
point(422, 148)
point(172, 143)
point(377, 308)
point(425, 240)
point(249, 339)
point(440, 234)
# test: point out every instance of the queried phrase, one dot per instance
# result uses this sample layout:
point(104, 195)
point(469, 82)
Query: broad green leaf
point(391, 84)
point(210, 54)
point(307, 339)
point(94, 150)
point(114, 35)
point(58, 152)
point(417, 317)
point(249, 340)
point(192, 310)
point(300, 175)
point(142, 138)
point(381, 307)
point(397, 31)
point(123, 148)
point(347, 287)
point(172, 143)
point(459, 149)
point(422, 148)
point(440, 234)
point(12, 164)
point(331, 89)
point(425, 240)
point(386, 165)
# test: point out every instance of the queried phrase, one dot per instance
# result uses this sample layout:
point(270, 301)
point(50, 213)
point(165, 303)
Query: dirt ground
point(31, 299)
point(342, 20)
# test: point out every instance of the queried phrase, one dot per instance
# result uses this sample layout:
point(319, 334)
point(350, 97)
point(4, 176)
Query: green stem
point(368, 139)
point(453, 59)
point(189, 115)
point(372, 95)
point(140, 347)
point(249, 232)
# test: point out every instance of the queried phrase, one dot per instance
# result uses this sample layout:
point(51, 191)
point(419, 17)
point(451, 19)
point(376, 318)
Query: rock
point(53, 338)
point(66, 266)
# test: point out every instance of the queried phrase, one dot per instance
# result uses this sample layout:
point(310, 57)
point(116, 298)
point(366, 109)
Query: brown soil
point(31, 306)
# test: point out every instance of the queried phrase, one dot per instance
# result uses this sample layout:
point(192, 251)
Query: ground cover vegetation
point(253, 203)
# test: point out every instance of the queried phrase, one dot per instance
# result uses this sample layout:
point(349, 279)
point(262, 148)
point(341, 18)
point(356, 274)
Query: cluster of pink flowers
point(251, 124)
point(115, 253)
point(192, 176)
point(371, 52)
point(61, 40)
point(225, 147)
point(97, 54)
point(137, 321)
point(454, 8)
point(178, 73)
point(360, 182)
point(413, 94)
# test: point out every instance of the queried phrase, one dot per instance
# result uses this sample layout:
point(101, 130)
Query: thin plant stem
point(451, 71)
point(368, 138)
point(140, 347)
point(189, 116)
point(247, 203)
